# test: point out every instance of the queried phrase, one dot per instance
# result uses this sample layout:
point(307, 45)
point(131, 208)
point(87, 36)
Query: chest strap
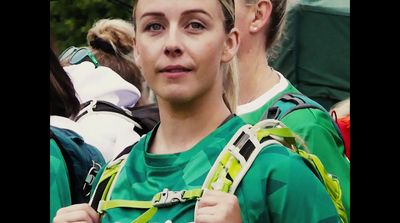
point(162, 199)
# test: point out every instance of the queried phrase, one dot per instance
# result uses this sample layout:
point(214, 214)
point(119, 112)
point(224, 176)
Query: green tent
point(314, 53)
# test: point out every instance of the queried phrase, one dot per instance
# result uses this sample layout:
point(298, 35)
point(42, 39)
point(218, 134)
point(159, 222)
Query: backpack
point(284, 105)
point(144, 118)
point(83, 161)
point(290, 102)
point(225, 175)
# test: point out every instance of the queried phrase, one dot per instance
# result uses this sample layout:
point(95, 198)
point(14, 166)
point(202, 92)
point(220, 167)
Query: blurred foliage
point(70, 20)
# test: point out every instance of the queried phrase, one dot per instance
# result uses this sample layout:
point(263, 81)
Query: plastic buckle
point(90, 178)
point(100, 207)
point(168, 198)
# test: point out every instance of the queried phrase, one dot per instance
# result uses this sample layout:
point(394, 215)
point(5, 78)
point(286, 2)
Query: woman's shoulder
point(276, 159)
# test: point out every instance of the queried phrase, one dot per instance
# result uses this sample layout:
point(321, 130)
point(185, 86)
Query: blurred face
point(179, 46)
point(244, 16)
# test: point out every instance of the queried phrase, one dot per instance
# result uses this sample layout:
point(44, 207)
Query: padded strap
point(107, 180)
point(288, 103)
point(233, 162)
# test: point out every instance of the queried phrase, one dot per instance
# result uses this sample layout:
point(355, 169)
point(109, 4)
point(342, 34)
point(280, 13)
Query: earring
point(253, 28)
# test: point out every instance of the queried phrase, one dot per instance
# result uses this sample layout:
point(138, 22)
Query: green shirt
point(60, 195)
point(314, 127)
point(278, 187)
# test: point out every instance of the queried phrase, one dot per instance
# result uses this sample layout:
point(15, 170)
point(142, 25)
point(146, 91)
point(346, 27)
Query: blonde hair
point(342, 108)
point(230, 71)
point(111, 42)
point(116, 32)
point(231, 77)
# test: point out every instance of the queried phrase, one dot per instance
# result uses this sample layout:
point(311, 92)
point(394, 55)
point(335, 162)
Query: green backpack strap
point(101, 198)
point(289, 102)
point(271, 128)
point(233, 162)
point(107, 178)
point(165, 198)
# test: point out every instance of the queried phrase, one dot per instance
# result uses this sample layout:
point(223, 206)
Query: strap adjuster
point(87, 186)
point(167, 198)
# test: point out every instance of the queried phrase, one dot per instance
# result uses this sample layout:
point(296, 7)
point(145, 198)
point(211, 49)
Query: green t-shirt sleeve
point(294, 193)
point(60, 195)
point(323, 140)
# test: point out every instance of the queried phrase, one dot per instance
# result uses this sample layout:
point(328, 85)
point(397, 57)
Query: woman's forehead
point(211, 7)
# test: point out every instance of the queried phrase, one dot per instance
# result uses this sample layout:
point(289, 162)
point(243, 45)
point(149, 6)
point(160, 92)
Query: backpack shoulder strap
point(92, 106)
point(290, 102)
point(234, 160)
point(104, 106)
point(108, 177)
point(147, 116)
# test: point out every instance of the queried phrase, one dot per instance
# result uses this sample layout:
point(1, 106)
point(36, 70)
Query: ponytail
point(231, 84)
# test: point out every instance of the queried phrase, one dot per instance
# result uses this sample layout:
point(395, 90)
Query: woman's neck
point(255, 76)
point(184, 126)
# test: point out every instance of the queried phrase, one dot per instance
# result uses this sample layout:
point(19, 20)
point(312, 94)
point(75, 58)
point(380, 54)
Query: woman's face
point(180, 46)
point(244, 16)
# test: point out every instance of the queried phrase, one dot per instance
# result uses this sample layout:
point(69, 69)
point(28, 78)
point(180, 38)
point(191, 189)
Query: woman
point(260, 23)
point(184, 48)
point(116, 84)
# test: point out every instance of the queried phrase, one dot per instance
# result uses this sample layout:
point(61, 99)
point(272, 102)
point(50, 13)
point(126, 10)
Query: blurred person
point(109, 85)
point(186, 50)
point(71, 158)
point(341, 114)
point(260, 23)
point(110, 41)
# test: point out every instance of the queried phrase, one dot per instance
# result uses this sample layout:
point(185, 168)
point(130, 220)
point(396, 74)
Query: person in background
point(341, 114)
point(64, 106)
point(108, 84)
point(186, 51)
point(260, 23)
point(110, 41)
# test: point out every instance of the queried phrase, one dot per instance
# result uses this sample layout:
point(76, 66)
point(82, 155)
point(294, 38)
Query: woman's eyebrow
point(157, 14)
point(191, 11)
point(197, 11)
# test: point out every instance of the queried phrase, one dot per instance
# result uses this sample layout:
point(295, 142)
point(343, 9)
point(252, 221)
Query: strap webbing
point(162, 199)
point(146, 216)
point(105, 205)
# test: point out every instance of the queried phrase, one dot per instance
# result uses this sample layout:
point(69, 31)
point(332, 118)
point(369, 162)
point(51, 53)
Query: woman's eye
point(196, 26)
point(153, 27)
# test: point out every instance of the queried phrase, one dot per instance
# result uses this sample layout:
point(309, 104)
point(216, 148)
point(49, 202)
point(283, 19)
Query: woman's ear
point(262, 14)
point(231, 45)
point(136, 55)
